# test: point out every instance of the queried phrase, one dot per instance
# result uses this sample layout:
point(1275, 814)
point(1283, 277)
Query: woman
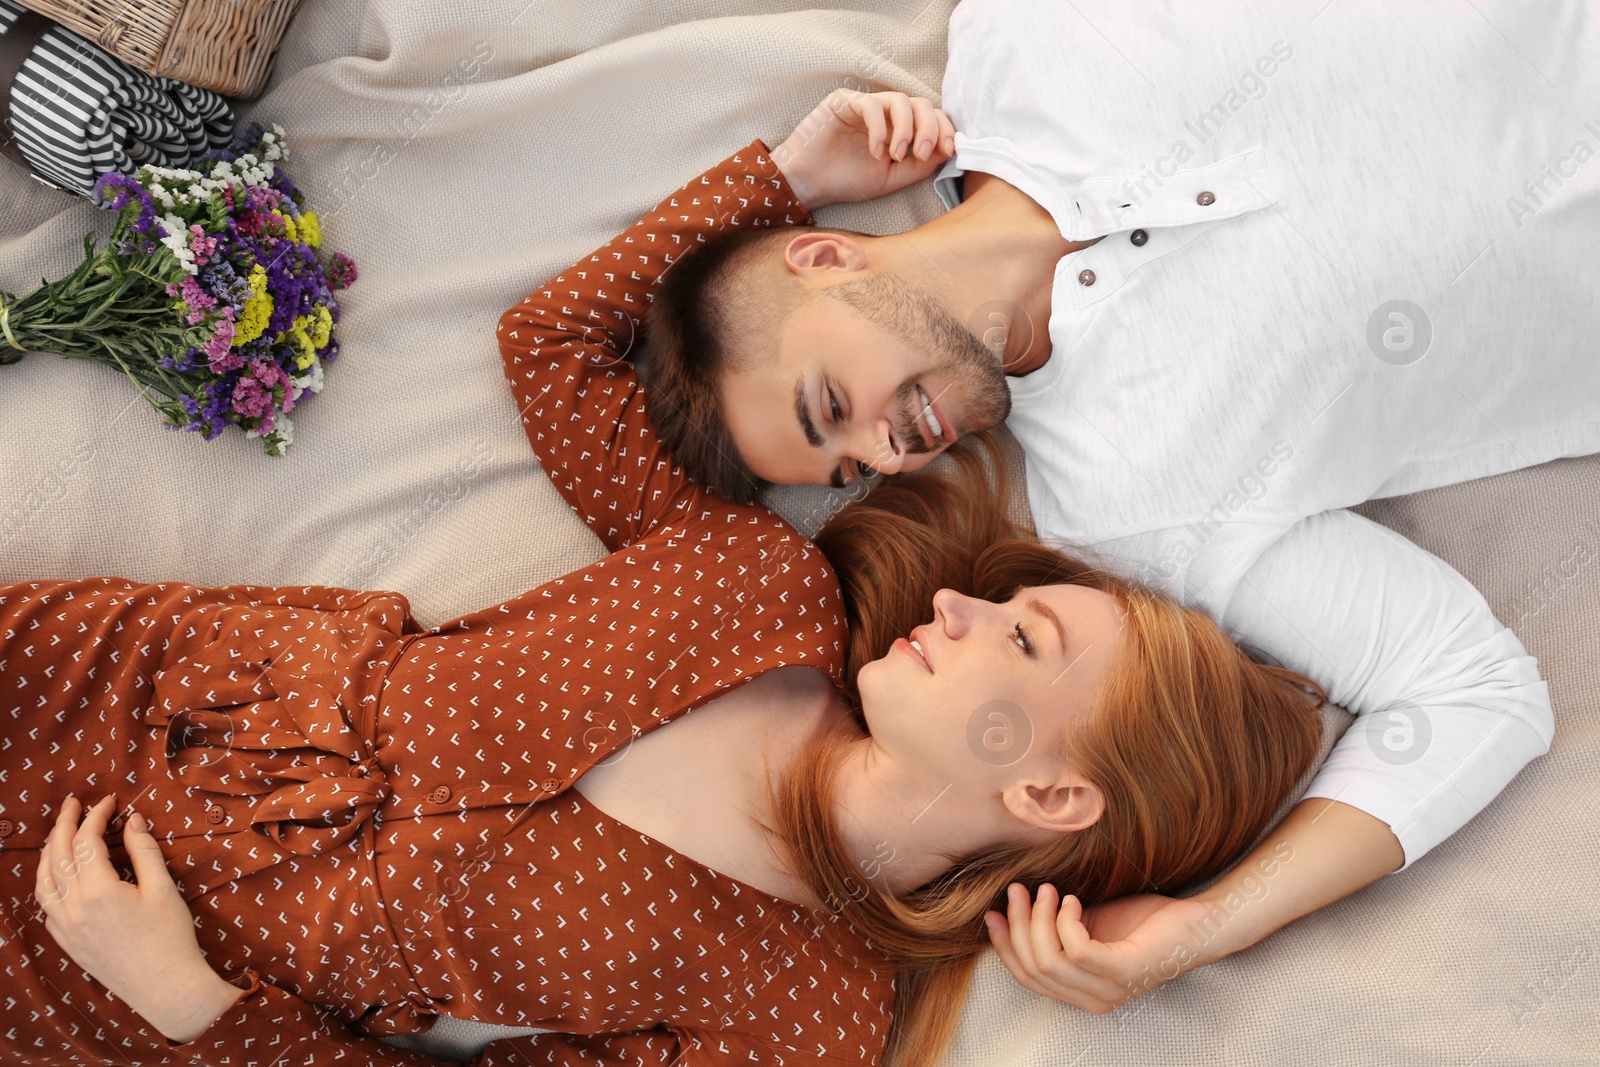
point(360, 826)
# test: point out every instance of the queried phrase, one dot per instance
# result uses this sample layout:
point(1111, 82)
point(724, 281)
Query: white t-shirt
point(1346, 258)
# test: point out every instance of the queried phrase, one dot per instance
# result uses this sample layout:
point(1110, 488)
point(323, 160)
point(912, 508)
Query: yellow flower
point(322, 326)
point(257, 309)
point(289, 230)
point(310, 229)
point(297, 336)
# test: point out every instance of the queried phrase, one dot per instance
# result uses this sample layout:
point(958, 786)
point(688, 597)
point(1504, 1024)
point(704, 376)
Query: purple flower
point(128, 191)
point(341, 271)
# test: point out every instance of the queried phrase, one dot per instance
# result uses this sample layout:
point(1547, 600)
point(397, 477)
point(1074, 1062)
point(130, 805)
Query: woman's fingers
point(49, 886)
point(947, 133)
point(871, 110)
point(902, 125)
point(926, 139)
point(144, 853)
point(88, 844)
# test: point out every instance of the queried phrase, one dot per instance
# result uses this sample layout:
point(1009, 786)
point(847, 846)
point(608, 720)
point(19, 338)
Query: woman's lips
point(906, 647)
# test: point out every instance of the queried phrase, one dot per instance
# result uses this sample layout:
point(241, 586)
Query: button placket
point(1216, 191)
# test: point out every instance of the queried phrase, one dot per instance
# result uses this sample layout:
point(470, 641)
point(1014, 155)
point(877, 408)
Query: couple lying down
point(360, 826)
point(341, 826)
point(366, 825)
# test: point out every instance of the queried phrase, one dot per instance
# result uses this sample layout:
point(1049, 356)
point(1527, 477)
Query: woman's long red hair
point(1193, 744)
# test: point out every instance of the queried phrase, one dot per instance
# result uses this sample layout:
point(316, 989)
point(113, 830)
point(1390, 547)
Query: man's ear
point(815, 251)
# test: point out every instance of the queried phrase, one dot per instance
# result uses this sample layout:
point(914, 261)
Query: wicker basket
point(223, 45)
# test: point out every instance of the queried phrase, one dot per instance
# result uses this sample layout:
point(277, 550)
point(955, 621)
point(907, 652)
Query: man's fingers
point(1004, 947)
point(1019, 916)
point(1087, 961)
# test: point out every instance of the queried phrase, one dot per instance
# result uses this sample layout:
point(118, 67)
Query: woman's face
point(980, 697)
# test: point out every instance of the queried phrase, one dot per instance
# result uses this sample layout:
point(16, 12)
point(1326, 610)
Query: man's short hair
point(712, 310)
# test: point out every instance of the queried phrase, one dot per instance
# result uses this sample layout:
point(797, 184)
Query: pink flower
point(198, 299)
point(201, 245)
point(219, 349)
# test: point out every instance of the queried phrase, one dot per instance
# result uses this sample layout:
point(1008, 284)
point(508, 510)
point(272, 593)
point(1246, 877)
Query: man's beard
point(974, 377)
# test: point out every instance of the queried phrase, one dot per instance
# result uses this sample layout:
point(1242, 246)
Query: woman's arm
point(137, 939)
point(565, 344)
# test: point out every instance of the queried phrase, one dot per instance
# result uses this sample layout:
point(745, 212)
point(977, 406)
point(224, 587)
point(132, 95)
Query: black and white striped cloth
point(78, 112)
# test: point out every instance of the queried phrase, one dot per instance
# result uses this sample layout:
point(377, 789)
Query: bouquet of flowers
point(211, 295)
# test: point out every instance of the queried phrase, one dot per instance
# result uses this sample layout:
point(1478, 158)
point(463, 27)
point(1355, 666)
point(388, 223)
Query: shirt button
point(550, 785)
point(7, 828)
point(215, 815)
point(1205, 199)
point(439, 794)
point(1138, 237)
point(1086, 277)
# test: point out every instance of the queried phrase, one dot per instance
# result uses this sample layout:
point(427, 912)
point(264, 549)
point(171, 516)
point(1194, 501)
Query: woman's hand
point(1104, 958)
point(136, 939)
point(856, 146)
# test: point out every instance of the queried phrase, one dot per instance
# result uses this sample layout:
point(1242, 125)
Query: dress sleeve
point(565, 344)
point(1449, 706)
point(268, 1026)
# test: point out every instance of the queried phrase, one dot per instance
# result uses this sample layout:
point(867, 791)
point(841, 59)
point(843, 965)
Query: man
point(1244, 269)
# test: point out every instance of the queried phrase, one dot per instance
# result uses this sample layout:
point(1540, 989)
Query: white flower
point(177, 241)
point(312, 381)
point(283, 430)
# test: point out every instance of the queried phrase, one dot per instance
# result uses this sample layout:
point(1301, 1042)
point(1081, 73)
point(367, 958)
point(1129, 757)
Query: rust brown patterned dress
point(373, 824)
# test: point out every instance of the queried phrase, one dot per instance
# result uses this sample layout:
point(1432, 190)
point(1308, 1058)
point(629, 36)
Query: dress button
point(1086, 277)
point(7, 828)
point(1138, 237)
point(439, 795)
point(1205, 199)
point(215, 815)
point(550, 785)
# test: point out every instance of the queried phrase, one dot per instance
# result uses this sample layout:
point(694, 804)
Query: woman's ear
point(1066, 805)
point(812, 250)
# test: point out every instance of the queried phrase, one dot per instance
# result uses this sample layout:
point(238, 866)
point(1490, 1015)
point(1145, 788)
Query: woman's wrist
point(801, 184)
point(199, 1012)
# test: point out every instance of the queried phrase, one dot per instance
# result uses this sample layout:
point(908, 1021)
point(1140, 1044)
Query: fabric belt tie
point(252, 729)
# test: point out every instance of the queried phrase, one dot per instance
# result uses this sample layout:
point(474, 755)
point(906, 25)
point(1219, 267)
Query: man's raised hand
point(856, 146)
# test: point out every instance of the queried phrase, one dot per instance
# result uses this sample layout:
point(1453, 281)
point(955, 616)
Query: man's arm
point(1449, 708)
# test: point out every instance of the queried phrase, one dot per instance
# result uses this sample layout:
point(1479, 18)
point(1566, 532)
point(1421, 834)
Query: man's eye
point(1022, 638)
point(833, 406)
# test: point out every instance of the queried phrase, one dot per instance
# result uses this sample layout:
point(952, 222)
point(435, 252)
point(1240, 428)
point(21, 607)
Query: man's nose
point(877, 449)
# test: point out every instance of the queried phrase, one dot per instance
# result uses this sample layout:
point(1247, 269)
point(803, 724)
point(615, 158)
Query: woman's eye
point(864, 471)
point(833, 406)
point(1022, 638)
